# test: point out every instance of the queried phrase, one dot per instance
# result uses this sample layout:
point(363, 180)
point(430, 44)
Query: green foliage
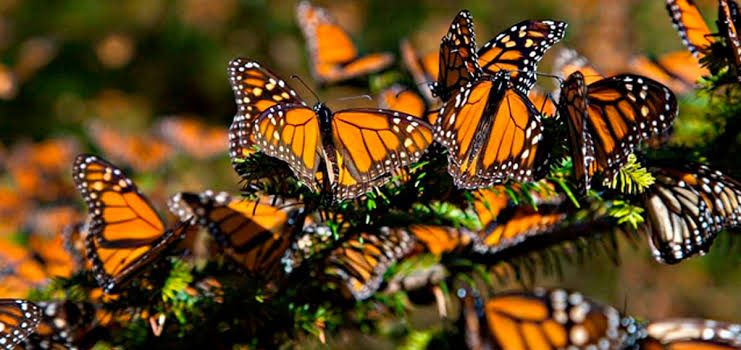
point(626, 213)
point(632, 178)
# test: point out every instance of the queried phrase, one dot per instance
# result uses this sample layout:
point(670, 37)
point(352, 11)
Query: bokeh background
point(71, 69)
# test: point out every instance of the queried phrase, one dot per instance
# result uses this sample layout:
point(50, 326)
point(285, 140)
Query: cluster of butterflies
point(484, 109)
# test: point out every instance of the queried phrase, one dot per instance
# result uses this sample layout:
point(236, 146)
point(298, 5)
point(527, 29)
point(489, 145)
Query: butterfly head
point(324, 114)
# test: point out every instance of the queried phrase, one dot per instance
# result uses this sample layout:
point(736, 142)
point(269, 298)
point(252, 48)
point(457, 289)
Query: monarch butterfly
point(517, 50)
point(125, 232)
point(568, 61)
point(608, 119)
point(423, 68)
point(19, 271)
point(693, 334)
point(18, 319)
point(505, 225)
point(696, 36)
point(677, 70)
point(686, 207)
point(143, 152)
point(193, 137)
point(39, 170)
point(358, 148)
point(398, 98)
point(62, 324)
point(690, 25)
point(440, 240)
point(361, 261)
point(492, 133)
point(254, 234)
point(549, 319)
point(334, 57)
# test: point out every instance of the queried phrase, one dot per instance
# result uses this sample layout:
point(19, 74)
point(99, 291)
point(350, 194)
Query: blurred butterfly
point(141, 151)
point(422, 68)
point(506, 225)
point(353, 150)
point(686, 208)
point(255, 234)
point(14, 209)
point(73, 238)
point(440, 240)
point(62, 325)
point(39, 170)
point(491, 131)
point(19, 319)
point(547, 319)
point(679, 71)
point(193, 137)
point(50, 252)
point(125, 234)
point(517, 50)
point(568, 61)
point(361, 261)
point(20, 272)
point(334, 57)
point(691, 334)
point(50, 221)
point(608, 119)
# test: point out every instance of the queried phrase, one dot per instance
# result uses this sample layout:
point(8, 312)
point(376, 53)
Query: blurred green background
point(127, 63)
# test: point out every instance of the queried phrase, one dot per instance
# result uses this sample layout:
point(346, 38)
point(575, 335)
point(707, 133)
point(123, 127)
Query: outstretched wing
point(373, 143)
point(692, 28)
point(290, 132)
point(458, 63)
point(255, 90)
point(519, 49)
point(125, 232)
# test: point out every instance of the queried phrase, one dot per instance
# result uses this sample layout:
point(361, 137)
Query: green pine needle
point(179, 278)
point(625, 212)
point(417, 340)
point(632, 178)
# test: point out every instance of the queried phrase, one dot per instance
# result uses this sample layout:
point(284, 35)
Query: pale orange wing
point(398, 98)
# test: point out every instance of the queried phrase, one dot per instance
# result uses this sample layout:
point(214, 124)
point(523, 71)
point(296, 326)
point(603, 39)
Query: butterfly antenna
point(316, 97)
point(560, 79)
point(365, 96)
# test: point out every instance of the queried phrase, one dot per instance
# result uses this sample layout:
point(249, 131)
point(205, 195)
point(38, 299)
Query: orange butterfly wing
point(728, 21)
point(519, 49)
point(543, 102)
point(554, 319)
point(692, 28)
point(400, 99)
point(255, 90)
point(193, 137)
point(439, 240)
point(333, 54)
point(372, 143)
point(290, 132)
point(568, 61)
point(458, 62)
point(573, 105)
point(658, 71)
point(125, 232)
point(19, 319)
point(143, 152)
point(491, 132)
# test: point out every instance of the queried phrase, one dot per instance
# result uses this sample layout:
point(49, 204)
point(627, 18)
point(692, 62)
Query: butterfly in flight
point(125, 233)
point(333, 55)
point(691, 334)
point(254, 234)
point(18, 319)
point(686, 208)
point(353, 150)
point(609, 118)
point(546, 319)
point(361, 261)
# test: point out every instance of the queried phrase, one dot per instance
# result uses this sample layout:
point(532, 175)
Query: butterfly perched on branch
point(345, 153)
point(125, 233)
